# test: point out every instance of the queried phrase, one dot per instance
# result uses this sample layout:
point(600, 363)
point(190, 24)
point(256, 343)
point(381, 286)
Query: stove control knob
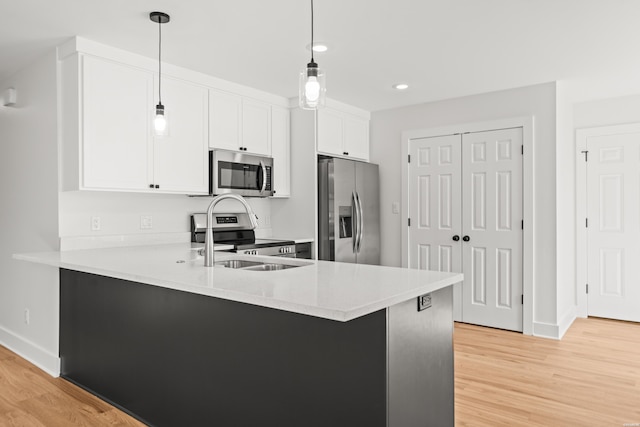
point(255, 252)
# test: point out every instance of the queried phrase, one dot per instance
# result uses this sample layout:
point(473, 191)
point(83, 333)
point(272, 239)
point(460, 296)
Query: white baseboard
point(553, 330)
point(567, 320)
point(546, 330)
point(43, 359)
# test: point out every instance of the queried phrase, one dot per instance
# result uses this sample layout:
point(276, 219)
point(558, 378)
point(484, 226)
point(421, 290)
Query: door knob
point(466, 238)
point(456, 238)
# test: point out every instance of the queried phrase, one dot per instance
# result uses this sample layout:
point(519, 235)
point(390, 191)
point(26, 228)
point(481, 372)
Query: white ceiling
point(442, 48)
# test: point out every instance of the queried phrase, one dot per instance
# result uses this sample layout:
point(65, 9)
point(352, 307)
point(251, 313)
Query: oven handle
point(264, 177)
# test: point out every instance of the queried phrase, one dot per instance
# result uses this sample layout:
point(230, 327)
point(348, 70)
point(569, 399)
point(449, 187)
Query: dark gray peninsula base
point(174, 358)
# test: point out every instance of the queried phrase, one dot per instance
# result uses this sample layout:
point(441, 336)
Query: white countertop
point(330, 290)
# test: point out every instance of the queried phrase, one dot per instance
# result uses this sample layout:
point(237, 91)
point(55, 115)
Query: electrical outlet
point(27, 316)
point(424, 302)
point(95, 223)
point(267, 221)
point(395, 207)
point(146, 222)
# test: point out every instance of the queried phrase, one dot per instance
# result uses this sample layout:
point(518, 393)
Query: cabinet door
point(224, 120)
point(280, 151)
point(330, 131)
point(116, 112)
point(256, 127)
point(356, 137)
point(181, 157)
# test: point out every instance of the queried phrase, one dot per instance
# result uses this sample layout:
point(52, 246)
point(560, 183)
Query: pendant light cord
point(159, 61)
point(312, 31)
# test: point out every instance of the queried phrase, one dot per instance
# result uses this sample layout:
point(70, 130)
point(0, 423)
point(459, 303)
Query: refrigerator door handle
point(354, 221)
point(360, 220)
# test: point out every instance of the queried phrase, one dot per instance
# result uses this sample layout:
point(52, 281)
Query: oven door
point(238, 173)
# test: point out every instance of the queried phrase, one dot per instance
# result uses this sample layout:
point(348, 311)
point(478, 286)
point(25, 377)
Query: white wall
point(538, 101)
point(29, 214)
point(565, 209)
point(605, 112)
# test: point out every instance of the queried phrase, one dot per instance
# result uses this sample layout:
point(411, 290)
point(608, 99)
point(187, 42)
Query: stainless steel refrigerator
point(348, 211)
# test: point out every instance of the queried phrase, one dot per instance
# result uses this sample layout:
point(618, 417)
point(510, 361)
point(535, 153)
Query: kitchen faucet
point(208, 237)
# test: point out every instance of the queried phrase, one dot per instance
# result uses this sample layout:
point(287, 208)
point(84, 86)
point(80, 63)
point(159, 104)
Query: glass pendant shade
point(312, 87)
point(160, 127)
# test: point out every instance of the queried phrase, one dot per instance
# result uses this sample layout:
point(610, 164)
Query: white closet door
point(613, 209)
point(491, 221)
point(435, 206)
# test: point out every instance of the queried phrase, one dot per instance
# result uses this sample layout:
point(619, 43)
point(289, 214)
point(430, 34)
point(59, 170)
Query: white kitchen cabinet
point(281, 151)
point(108, 142)
point(180, 160)
point(256, 127)
point(225, 114)
point(113, 116)
point(239, 123)
point(342, 134)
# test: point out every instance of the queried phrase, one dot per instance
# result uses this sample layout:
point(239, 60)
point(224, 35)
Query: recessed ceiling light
point(318, 47)
point(400, 86)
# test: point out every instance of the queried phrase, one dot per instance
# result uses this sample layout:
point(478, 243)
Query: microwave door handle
point(263, 186)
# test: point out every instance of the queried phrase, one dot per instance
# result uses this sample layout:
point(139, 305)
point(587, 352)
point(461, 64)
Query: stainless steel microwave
point(248, 175)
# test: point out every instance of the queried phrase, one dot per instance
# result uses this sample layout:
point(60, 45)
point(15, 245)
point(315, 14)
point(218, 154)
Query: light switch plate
point(395, 207)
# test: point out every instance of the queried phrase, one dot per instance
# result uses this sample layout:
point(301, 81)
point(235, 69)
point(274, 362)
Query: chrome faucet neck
point(209, 259)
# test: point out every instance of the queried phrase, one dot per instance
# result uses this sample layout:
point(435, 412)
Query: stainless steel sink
point(270, 267)
point(243, 264)
point(237, 263)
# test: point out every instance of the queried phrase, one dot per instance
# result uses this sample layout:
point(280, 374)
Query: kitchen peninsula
point(172, 342)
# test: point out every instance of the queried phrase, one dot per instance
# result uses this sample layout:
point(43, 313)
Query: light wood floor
point(590, 378)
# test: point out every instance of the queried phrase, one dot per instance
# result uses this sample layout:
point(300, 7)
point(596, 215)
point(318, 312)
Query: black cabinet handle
point(456, 238)
point(150, 185)
point(157, 186)
point(466, 238)
point(345, 153)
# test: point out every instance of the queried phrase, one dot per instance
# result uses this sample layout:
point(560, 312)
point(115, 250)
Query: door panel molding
point(528, 187)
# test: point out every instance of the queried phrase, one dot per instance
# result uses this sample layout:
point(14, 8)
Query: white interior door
point(492, 228)
point(465, 208)
point(435, 207)
point(613, 233)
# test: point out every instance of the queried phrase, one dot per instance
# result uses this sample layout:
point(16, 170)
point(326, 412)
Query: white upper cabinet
point(225, 114)
point(342, 134)
point(281, 151)
point(330, 131)
point(181, 162)
point(113, 116)
point(239, 123)
point(108, 99)
point(108, 110)
point(356, 137)
point(256, 127)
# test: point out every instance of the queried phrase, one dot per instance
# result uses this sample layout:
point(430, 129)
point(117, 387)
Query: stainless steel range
point(235, 229)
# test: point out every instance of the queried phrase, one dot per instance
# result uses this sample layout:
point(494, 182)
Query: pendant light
point(312, 81)
point(160, 121)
